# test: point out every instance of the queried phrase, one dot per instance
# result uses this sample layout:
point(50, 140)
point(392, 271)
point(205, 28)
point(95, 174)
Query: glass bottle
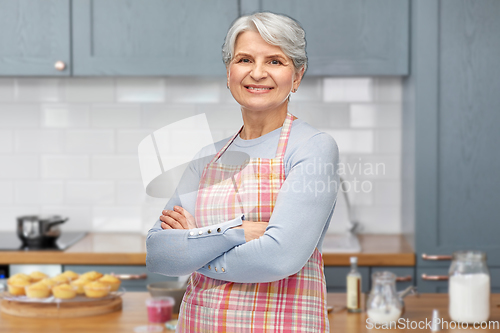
point(469, 287)
point(354, 287)
point(384, 304)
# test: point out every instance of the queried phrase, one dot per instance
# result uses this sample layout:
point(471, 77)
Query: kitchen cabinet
point(450, 134)
point(129, 285)
point(152, 38)
point(349, 37)
point(35, 37)
point(336, 278)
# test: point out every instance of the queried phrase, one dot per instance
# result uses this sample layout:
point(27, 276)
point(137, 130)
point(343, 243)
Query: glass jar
point(469, 287)
point(384, 304)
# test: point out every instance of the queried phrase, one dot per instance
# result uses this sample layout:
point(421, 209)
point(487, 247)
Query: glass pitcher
point(469, 287)
point(384, 303)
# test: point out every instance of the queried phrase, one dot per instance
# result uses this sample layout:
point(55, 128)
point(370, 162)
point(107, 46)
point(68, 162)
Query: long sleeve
point(302, 212)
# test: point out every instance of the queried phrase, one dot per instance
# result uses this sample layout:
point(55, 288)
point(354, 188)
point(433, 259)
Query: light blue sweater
point(298, 224)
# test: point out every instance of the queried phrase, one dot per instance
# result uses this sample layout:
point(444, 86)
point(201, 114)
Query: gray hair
point(279, 30)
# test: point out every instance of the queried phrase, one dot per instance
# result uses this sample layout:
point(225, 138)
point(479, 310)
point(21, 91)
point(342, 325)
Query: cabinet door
point(34, 35)
point(336, 278)
point(154, 37)
point(351, 37)
point(453, 99)
point(129, 285)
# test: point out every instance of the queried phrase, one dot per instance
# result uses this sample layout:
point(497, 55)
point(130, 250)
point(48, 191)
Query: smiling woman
point(253, 241)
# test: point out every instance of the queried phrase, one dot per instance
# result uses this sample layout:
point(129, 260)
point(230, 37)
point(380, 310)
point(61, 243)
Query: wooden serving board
point(61, 310)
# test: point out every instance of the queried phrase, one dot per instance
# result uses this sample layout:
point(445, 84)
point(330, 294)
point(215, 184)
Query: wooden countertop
point(130, 249)
point(134, 314)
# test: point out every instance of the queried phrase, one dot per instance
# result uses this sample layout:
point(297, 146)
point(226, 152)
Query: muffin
point(79, 284)
point(92, 275)
point(37, 290)
point(20, 276)
point(17, 286)
point(49, 283)
point(37, 276)
point(113, 282)
point(96, 289)
point(71, 275)
point(60, 279)
point(64, 291)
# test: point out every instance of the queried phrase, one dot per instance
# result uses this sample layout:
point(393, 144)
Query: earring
point(227, 86)
point(294, 90)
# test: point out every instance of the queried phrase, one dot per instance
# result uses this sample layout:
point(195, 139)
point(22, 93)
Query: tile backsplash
point(69, 145)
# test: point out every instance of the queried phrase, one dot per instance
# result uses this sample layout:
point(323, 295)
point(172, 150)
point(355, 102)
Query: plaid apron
point(294, 304)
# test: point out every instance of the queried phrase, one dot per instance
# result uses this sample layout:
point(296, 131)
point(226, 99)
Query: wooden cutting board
point(61, 310)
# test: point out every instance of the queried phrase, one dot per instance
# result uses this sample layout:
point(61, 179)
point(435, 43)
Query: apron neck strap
point(280, 152)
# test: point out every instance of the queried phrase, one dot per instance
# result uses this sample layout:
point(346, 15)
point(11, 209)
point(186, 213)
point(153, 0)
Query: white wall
point(69, 146)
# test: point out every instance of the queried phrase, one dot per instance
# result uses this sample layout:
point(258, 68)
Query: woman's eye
point(246, 60)
point(275, 62)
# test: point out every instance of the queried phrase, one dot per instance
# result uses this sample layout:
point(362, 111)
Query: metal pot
point(39, 231)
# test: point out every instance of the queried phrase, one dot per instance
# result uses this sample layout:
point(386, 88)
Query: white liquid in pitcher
point(380, 315)
point(469, 297)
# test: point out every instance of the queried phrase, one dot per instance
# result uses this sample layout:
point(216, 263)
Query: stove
point(9, 241)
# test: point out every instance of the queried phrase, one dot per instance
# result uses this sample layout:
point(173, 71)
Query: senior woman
point(253, 246)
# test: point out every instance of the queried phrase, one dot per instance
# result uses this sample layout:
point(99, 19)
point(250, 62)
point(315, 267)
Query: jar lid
point(469, 255)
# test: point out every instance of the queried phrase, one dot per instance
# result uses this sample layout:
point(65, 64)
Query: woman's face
point(261, 76)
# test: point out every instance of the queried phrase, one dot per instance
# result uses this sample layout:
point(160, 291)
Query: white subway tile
point(376, 115)
point(117, 219)
point(65, 115)
point(79, 217)
point(90, 192)
point(6, 141)
point(158, 115)
point(115, 115)
point(19, 167)
point(65, 167)
point(39, 89)
point(130, 192)
point(379, 219)
point(19, 115)
point(39, 141)
point(387, 89)
point(310, 90)
point(140, 90)
point(127, 141)
point(115, 167)
point(222, 117)
point(9, 215)
point(91, 90)
point(347, 90)
point(39, 192)
point(7, 89)
point(6, 193)
point(387, 192)
point(388, 141)
point(194, 89)
point(376, 166)
point(322, 115)
point(349, 141)
point(90, 141)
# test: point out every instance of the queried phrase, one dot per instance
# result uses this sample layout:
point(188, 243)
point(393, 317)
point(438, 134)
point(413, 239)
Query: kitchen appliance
point(37, 231)
point(9, 241)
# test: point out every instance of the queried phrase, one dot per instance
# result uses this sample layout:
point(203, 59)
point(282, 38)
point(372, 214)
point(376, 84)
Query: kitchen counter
point(130, 249)
point(134, 314)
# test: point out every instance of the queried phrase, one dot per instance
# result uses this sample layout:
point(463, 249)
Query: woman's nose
point(258, 72)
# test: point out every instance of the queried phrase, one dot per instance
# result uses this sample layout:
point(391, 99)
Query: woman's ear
point(298, 78)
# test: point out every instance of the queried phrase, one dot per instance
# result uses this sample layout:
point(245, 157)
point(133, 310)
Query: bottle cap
point(354, 260)
point(436, 321)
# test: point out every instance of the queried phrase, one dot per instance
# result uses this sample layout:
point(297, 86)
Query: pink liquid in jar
point(160, 309)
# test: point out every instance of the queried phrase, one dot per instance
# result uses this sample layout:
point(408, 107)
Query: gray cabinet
point(129, 285)
point(152, 38)
point(349, 37)
point(34, 36)
point(336, 278)
point(450, 131)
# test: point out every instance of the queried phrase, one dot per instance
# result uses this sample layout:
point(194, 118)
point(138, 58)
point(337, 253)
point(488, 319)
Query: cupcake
point(113, 282)
point(37, 276)
point(60, 279)
point(79, 284)
point(20, 276)
point(71, 275)
point(64, 291)
point(92, 276)
point(96, 289)
point(17, 286)
point(37, 290)
point(49, 282)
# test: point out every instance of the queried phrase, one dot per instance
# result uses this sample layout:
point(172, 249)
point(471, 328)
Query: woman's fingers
point(191, 223)
point(173, 221)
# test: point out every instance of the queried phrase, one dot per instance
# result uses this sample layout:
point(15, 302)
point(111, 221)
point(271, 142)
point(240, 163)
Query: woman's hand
point(253, 230)
point(179, 218)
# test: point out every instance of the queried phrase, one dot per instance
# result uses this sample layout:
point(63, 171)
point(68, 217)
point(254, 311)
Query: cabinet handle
point(403, 278)
point(436, 257)
point(130, 276)
point(434, 277)
point(60, 65)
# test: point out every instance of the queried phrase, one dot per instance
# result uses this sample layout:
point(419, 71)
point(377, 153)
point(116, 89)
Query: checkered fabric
point(294, 304)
